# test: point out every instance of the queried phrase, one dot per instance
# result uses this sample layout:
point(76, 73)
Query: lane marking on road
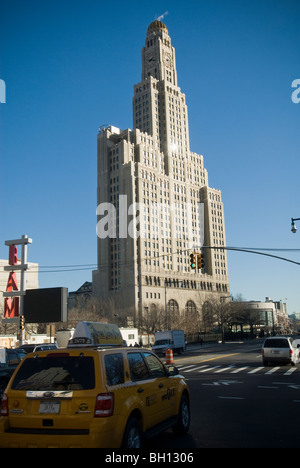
point(255, 370)
point(224, 369)
point(195, 368)
point(186, 367)
point(289, 372)
point(209, 369)
point(206, 368)
point(239, 370)
point(230, 398)
point(272, 370)
point(207, 360)
point(227, 383)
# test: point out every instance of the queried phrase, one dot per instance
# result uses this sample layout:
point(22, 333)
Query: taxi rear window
point(56, 373)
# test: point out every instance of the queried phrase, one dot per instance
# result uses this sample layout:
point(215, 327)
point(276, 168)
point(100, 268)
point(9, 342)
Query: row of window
point(185, 284)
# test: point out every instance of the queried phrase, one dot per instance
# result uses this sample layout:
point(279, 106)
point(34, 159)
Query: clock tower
point(158, 56)
point(159, 107)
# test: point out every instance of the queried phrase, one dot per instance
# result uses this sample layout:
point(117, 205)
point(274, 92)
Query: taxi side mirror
point(172, 370)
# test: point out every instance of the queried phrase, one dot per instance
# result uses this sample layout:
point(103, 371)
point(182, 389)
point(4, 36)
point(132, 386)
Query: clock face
point(167, 59)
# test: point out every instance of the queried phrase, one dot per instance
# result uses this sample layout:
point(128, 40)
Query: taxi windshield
point(56, 373)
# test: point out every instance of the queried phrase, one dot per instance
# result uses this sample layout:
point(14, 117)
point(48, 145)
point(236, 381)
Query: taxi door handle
point(161, 385)
point(140, 390)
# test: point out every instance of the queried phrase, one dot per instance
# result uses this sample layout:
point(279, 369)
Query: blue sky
point(70, 66)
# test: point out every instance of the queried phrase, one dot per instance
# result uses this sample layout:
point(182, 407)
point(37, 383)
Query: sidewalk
point(219, 345)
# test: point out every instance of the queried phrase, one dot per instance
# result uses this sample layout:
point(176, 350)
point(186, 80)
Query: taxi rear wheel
point(133, 436)
point(184, 418)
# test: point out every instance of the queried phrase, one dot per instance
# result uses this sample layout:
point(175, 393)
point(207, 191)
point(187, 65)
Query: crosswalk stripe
point(209, 369)
point(239, 370)
point(223, 370)
point(195, 369)
point(185, 367)
point(257, 369)
point(289, 372)
point(231, 369)
point(272, 370)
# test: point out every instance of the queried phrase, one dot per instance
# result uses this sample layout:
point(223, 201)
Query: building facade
point(269, 317)
point(154, 204)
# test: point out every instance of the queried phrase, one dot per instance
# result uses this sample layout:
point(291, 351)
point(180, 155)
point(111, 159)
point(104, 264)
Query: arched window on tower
point(172, 313)
point(192, 324)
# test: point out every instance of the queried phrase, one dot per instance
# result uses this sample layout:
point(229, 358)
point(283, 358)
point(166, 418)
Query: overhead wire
point(91, 266)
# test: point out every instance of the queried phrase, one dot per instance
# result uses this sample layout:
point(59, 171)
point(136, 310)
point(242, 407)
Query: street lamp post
point(294, 229)
point(222, 300)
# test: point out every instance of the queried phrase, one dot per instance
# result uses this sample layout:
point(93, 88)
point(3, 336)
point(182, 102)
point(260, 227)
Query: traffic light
point(22, 322)
point(13, 255)
point(193, 261)
point(200, 261)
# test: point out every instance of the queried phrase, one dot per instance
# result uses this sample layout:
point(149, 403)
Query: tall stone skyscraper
point(154, 205)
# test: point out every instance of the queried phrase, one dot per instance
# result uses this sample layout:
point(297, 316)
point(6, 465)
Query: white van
point(280, 349)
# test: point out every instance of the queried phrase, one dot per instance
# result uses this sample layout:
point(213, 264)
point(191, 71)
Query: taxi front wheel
point(133, 436)
point(184, 418)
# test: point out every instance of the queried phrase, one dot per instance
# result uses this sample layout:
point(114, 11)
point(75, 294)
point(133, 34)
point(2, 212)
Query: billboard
point(48, 305)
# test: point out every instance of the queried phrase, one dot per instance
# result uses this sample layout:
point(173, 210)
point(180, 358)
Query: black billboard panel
point(48, 305)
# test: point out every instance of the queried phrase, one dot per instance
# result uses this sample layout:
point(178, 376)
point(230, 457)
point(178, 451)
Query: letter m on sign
point(11, 305)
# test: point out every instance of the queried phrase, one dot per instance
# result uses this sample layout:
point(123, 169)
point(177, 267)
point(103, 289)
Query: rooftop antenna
point(160, 18)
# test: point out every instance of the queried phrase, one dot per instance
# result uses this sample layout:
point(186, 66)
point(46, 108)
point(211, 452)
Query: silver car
point(281, 350)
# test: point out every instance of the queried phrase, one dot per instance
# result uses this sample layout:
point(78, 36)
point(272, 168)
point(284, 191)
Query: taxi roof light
point(96, 334)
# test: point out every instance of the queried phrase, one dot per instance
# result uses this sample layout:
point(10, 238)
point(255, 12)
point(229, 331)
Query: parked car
point(92, 397)
point(9, 360)
point(45, 346)
point(29, 348)
point(20, 352)
point(280, 349)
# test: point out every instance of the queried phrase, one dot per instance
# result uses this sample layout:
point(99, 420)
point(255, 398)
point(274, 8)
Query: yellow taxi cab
point(91, 396)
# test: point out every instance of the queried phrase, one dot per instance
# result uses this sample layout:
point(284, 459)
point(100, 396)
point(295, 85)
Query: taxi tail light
point(291, 351)
point(4, 405)
point(104, 405)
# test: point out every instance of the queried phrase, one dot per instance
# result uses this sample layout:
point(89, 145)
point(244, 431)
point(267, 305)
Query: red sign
point(11, 305)
point(13, 255)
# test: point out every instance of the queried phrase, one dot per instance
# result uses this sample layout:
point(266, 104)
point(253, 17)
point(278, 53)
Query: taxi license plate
point(49, 407)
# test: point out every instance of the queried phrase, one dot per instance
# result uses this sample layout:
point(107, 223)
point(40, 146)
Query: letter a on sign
point(11, 306)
